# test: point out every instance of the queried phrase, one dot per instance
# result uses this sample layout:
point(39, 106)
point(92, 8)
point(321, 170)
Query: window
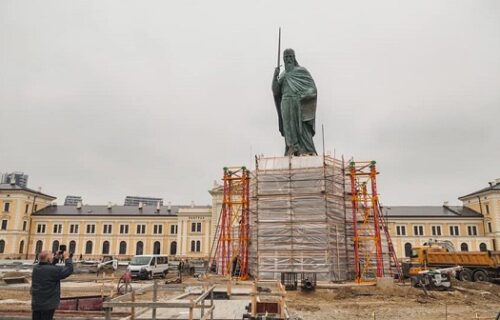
point(401, 230)
point(195, 246)
point(72, 246)
point(25, 224)
point(73, 228)
point(91, 228)
point(464, 247)
point(472, 230)
point(55, 246)
point(196, 227)
point(454, 231)
point(105, 247)
point(88, 247)
point(40, 228)
point(107, 228)
point(123, 228)
point(156, 247)
point(6, 207)
point(436, 230)
point(483, 247)
point(173, 248)
point(36, 208)
point(26, 208)
point(158, 229)
point(123, 247)
point(139, 248)
point(57, 228)
point(21, 246)
point(407, 249)
point(4, 224)
point(173, 229)
point(141, 229)
point(39, 246)
point(2, 246)
point(489, 227)
point(487, 207)
point(418, 230)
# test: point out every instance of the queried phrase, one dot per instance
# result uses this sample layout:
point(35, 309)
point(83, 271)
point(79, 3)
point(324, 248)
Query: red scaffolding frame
point(367, 221)
point(233, 228)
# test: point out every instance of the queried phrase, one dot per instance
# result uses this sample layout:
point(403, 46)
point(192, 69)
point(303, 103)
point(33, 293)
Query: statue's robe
point(295, 97)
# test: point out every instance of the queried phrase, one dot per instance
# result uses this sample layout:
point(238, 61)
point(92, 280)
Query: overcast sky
point(105, 99)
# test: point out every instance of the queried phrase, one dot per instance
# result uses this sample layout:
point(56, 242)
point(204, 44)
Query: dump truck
point(477, 266)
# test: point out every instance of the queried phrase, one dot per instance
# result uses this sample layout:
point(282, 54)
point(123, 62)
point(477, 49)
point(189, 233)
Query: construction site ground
point(467, 300)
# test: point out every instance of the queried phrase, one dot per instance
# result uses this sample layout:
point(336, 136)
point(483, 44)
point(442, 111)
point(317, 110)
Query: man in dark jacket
point(46, 285)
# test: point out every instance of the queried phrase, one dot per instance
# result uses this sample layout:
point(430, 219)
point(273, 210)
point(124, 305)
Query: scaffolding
point(232, 235)
point(374, 254)
point(298, 218)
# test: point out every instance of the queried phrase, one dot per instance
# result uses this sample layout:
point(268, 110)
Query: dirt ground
point(466, 300)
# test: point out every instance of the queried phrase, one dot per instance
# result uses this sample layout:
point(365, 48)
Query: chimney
point(141, 205)
point(445, 203)
point(79, 205)
point(169, 207)
point(109, 205)
point(192, 204)
point(491, 183)
point(497, 180)
point(12, 180)
point(158, 207)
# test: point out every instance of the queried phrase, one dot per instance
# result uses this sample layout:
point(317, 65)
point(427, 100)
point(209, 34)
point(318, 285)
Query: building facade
point(474, 226)
point(16, 177)
point(17, 205)
point(123, 231)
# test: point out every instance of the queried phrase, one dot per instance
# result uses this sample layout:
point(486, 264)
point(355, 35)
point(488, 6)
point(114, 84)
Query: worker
point(180, 268)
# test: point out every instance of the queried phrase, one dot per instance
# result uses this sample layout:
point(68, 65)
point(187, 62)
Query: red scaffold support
point(367, 222)
point(233, 228)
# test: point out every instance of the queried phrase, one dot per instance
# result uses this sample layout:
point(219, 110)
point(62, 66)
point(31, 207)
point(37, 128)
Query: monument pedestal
point(298, 218)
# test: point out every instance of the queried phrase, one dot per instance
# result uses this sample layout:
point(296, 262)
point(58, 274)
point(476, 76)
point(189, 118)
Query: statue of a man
point(295, 98)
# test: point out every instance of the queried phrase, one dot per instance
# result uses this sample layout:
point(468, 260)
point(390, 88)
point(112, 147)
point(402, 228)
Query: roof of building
point(430, 211)
point(15, 187)
point(102, 210)
point(492, 187)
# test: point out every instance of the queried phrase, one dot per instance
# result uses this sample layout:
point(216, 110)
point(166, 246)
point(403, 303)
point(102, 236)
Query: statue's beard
point(289, 66)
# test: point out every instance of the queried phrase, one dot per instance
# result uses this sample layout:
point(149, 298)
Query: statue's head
point(289, 59)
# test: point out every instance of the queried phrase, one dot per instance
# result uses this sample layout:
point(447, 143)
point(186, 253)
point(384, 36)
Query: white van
point(148, 266)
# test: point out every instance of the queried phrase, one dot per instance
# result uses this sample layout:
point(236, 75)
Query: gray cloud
point(113, 98)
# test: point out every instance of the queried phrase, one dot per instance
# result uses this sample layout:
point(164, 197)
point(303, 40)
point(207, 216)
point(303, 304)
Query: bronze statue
point(295, 98)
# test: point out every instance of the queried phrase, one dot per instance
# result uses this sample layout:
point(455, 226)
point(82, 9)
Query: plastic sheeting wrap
point(298, 218)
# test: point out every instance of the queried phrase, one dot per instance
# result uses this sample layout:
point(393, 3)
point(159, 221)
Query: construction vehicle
point(477, 266)
point(435, 279)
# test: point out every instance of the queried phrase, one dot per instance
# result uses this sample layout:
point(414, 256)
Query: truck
point(477, 266)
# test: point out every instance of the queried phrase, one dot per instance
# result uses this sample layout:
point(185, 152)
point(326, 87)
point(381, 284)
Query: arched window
point(156, 247)
point(21, 246)
point(173, 248)
point(72, 246)
point(193, 245)
point(2, 246)
point(39, 246)
point(123, 247)
point(88, 247)
point(483, 247)
point(198, 246)
point(139, 248)
point(464, 247)
point(55, 246)
point(407, 249)
point(105, 247)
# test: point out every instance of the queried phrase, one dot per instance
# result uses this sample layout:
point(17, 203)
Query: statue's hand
point(276, 72)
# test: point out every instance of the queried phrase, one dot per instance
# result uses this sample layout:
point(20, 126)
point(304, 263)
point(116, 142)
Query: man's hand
point(65, 255)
